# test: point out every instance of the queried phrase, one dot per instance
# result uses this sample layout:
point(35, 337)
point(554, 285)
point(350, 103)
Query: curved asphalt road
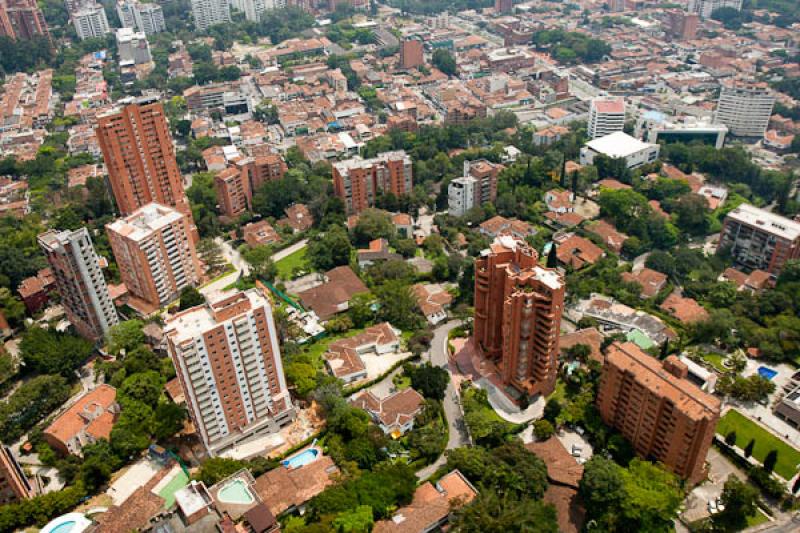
point(457, 437)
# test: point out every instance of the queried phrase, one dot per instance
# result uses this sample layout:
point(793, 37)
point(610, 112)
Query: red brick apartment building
point(653, 404)
point(155, 254)
point(359, 181)
point(22, 19)
point(236, 185)
point(518, 306)
point(138, 152)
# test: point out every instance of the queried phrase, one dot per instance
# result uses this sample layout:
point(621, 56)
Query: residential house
point(612, 238)
point(559, 202)
point(651, 281)
point(260, 233)
point(431, 506)
point(89, 419)
point(755, 281)
point(395, 413)
point(575, 251)
point(591, 337)
point(378, 251)
point(686, 310)
point(333, 296)
point(285, 489)
point(499, 225)
point(433, 301)
point(343, 357)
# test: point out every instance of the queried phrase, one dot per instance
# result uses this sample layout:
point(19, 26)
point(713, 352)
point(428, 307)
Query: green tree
point(12, 308)
point(330, 249)
point(691, 213)
point(492, 512)
point(190, 297)
point(730, 438)
point(770, 460)
point(29, 403)
point(543, 429)
point(168, 419)
point(359, 520)
point(373, 224)
point(740, 500)
point(444, 61)
point(748, 450)
point(260, 259)
point(47, 351)
point(145, 387)
point(398, 306)
point(430, 381)
point(652, 496)
point(218, 468)
point(126, 336)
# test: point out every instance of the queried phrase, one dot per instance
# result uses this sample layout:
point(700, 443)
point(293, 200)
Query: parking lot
point(697, 501)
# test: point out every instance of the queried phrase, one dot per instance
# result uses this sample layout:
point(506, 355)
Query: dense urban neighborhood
point(401, 266)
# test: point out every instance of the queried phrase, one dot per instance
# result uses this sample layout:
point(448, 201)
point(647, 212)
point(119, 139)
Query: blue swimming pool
point(303, 458)
point(766, 372)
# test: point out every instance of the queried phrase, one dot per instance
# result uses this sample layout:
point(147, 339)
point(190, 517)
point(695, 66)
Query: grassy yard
point(757, 519)
point(715, 360)
point(746, 429)
point(290, 262)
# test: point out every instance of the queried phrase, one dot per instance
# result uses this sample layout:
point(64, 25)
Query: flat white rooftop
point(145, 221)
point(770, 222)
point(618, 144)
point(196, 321)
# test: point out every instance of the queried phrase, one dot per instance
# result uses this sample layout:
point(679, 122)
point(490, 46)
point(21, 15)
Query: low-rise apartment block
point(652, 403)
point(760, 239)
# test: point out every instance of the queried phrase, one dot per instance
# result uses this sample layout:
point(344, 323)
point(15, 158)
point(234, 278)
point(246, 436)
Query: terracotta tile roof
point(332, 296)
point(588, 336)
point(562, 468)
point(686, 310)
point(299, 217)
point(655, 205)
point(570, 512)
point(136, 511)
point(578, 252)
point(342, 355)
point(430, 506)
point(431, 303)
point(402, 219)
point(651, 281)
point(258, 233)
point(93, 413)
point(567, 220)
point(394, 411)
point(608, 233)
point(283, 488)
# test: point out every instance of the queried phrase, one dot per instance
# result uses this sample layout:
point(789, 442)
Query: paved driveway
point(437, 355)
point(720, 469)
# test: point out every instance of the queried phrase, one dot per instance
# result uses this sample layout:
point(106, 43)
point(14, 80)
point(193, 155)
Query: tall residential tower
point(518, 306)
point(79, 281)
point(138, 152)
point(155, 253)
point(229, 366)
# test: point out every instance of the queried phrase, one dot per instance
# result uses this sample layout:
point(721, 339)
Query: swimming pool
point(235, 492)
point(766, 372)
point(303, 458)
point(68, 523)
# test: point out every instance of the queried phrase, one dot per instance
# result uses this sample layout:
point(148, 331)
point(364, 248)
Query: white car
point(712, 506)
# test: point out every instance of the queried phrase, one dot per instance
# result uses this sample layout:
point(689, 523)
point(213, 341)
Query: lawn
point(287, 265)
point(757, 519)
point(175, 484)
point(715, 360)
point(746, 429)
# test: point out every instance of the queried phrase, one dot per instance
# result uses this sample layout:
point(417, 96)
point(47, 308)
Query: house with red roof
point(90, 419)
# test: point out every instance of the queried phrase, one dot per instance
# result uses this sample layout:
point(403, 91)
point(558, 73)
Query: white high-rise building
point(227, 359)
point(606, 115)
point(462, 194)
point(133, 47)
point(253, 9)
point(745, 108)
point(210, 12)
point(79, 281)
point(90, 21)
point(146, 18)
point(705, 8)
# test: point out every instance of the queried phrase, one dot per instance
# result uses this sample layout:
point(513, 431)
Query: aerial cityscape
point(402, 266)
